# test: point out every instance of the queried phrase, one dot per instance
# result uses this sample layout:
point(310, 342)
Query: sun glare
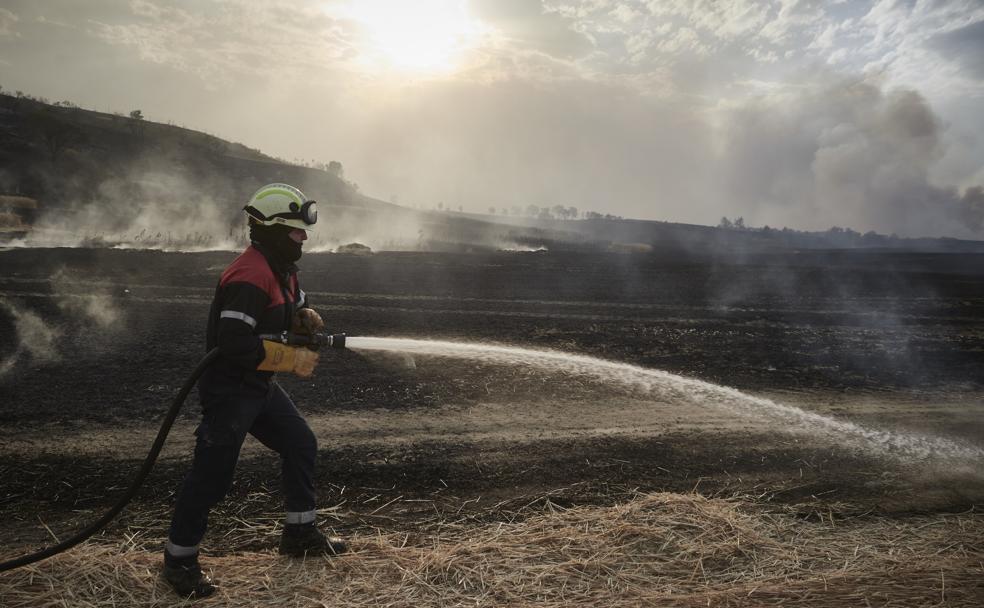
point(415, 36)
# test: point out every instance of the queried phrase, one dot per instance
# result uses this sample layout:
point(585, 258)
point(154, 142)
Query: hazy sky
point(807, 114)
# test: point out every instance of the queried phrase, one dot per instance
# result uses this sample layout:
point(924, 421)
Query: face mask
point(277, 240)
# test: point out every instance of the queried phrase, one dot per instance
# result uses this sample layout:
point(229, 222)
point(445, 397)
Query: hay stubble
point(664, 549)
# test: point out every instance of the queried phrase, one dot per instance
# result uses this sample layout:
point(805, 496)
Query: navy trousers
point(270, 417)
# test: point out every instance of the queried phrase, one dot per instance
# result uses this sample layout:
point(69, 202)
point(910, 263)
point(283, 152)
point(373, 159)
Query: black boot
point(298, 540)
point(185, 576)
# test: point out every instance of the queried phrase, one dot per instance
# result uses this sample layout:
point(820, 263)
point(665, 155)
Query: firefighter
point(257, 294)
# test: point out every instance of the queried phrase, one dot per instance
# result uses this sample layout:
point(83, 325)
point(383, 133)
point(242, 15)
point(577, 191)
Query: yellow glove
point(283, 358)
point(307, 321)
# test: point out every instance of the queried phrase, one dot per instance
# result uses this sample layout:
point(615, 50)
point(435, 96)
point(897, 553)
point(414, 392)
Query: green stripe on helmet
point(272, 191)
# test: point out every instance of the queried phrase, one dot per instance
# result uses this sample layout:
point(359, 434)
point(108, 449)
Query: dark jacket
point(256, 295)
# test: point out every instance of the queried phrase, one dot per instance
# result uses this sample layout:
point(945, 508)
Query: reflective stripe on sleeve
point(301, 298)
point(235, 314)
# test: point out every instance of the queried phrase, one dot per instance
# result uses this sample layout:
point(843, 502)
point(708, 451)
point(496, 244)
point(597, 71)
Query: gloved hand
point(307, 321)
point(283, 358)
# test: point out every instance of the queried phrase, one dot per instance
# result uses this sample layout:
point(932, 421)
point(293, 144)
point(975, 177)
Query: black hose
point(148, 464)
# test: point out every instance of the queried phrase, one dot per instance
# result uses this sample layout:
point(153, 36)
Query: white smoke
point(841, 153)
point(147, 207)
point(827, 151)
point(35, 337)
point(88, 311)
point(89, 306)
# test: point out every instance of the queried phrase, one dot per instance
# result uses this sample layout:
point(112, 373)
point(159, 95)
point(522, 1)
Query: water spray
point(664, 385)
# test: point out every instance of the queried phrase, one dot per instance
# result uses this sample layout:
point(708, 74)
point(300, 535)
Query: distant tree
point(335, 168)
point(725, 223)
point(739, 223)
point(560, 211)
point(491, 210)
point(56, 134)
point(216, 145)
point(844, 236)
point(440, 206)
point(532, 211)
point(872, 238)
point(572, 213)
point(136, 115)
point(592, 215)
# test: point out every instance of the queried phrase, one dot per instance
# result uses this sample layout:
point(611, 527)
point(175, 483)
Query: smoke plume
point(146, 208)
point(91, 309)
point(87, 311)
point(844, 153)
point(36, 338)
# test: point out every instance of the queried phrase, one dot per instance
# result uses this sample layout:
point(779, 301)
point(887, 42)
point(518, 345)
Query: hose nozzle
point(313, 341)
point(333, 340)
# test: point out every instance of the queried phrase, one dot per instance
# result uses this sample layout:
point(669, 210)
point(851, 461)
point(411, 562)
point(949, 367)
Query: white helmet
point(281, 204)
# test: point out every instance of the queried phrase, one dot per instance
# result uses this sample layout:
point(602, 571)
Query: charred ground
point(888, 339)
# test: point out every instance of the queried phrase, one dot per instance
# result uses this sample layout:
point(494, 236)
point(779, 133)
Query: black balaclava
point(276, 241)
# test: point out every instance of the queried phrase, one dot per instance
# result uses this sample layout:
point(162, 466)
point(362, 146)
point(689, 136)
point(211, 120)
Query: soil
point(891, 340)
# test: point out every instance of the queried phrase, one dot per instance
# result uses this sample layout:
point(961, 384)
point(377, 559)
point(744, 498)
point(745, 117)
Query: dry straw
point(656, 550)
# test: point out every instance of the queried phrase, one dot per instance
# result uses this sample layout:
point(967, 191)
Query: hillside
point(91, 177)
point(68, 157)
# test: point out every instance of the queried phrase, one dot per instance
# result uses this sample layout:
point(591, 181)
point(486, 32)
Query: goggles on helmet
point(307, 213)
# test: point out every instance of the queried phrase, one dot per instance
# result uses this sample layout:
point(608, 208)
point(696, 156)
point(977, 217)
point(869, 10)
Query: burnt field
point(94, 343)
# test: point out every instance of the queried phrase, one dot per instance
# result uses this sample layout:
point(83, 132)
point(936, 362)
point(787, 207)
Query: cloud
point(218, 41)
point(529, 26)
point(625, 13)
point(898, 38)
point(725, 20)
point(963, 46)
point(7, 21)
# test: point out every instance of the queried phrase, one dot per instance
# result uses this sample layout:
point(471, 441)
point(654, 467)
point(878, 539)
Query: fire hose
point(313, 341)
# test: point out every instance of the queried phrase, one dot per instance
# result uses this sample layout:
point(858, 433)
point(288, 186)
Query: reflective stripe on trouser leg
point(300, 517)
point(179, 551)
